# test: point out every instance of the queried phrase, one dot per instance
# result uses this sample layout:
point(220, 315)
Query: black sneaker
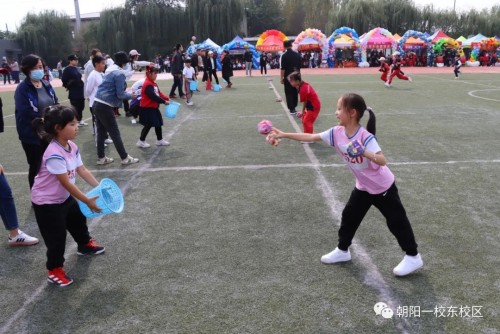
point(172, 96)
point(90, 248)
point(128, 114)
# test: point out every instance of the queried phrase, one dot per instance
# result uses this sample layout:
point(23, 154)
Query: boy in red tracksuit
point(384, 68)
point(311, 104)
point(396, 70)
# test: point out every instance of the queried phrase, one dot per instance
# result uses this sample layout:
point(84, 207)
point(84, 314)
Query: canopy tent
point(414, 42)
point(473, 41)
point(311, 39)
point(344, 41)
point(271, 41)
point(308, 44)
point(209, 45)
point(396, 37)
point(437, 36)
point(378, 41)
point(239, 46)
point(461, 39)
point(378, 38)
point(413, 39)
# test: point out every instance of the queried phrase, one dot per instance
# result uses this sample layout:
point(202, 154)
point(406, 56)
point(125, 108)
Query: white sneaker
point(134, 121)
point(189, 103)
point(336, 256)
point(162, 142)
point(410, 79)
point(108, 141)
point(129, 160)
point(387, 84)
point(456, 77)
point(82, 123)
point(22, 239)
point(142, 144)
point(105, 161)
point(408, 265)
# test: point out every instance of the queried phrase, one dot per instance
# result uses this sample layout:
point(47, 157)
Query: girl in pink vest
point(375, 184)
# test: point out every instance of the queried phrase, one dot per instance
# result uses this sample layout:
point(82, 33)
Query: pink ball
point(264, 127)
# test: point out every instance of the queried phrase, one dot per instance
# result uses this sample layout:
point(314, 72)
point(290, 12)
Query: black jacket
point(290, 62)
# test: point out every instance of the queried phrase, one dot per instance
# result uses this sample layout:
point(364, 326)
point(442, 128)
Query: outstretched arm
point(276, 133)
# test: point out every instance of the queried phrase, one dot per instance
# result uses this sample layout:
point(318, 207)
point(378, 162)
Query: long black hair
point(56, 115)
point(354, 101)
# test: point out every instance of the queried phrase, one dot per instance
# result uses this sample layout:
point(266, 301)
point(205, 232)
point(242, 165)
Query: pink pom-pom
point(264, 127)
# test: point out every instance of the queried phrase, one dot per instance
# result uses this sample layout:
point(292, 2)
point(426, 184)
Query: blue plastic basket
point(216, 88)
point(171, 109)
point(193, 85)
point(110, 199)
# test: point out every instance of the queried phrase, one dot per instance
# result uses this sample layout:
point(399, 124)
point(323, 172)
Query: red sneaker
point(58, 277)
point(90, 248)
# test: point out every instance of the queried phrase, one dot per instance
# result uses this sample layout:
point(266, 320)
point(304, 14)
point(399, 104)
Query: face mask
point(37, 74)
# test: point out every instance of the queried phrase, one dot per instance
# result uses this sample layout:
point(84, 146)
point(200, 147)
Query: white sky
point(13, 11)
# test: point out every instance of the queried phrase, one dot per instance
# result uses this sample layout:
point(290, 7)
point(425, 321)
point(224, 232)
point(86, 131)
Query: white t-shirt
point(188, 72)
point(91, 83)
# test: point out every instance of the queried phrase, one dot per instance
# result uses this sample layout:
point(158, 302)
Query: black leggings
point(34, 154)
point(214, 73)
point(53, 220)
point(145, 131)
point(389, 204)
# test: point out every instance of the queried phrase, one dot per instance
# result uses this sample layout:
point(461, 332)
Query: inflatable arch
point(345, 31)
point(415, 34)
point(364, 42)
point(315, 34)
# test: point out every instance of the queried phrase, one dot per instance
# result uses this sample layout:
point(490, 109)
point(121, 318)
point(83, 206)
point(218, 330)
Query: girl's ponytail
point(39, 127)
point(371, 124)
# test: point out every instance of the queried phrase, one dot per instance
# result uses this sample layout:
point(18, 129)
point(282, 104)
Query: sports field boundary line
point(373, 277)
point(470, 93)
point(15, 317)
point(460, 81)
point(271, 166)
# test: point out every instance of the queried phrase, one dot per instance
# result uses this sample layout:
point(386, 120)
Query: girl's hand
point(1, 169)
point(92, 205)
point(276, 133)
point(299, 114)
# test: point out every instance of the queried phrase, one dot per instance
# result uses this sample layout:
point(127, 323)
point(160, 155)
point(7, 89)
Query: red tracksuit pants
point(397, 73)
point(308, 119)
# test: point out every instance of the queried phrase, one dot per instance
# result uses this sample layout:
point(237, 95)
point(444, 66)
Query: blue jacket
point(112, 88)
point(26, 100)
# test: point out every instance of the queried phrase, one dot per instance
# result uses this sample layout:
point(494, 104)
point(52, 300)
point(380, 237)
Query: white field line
point(281, 166)
point(471, 93)
point(20, 313)
point(373, 276)
point(459, 81)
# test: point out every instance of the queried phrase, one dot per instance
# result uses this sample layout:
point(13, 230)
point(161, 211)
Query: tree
point(294, 14)
point(7, 35)
point(218, 19)
point(47, 34)
point(263, 15)
point(132, 4)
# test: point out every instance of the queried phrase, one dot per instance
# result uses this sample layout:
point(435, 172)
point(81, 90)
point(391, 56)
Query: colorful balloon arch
point(489, 44)
point(315, 34)
point(445, 43)
point(344, 31)
point(364, 41)
point(415, 34)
